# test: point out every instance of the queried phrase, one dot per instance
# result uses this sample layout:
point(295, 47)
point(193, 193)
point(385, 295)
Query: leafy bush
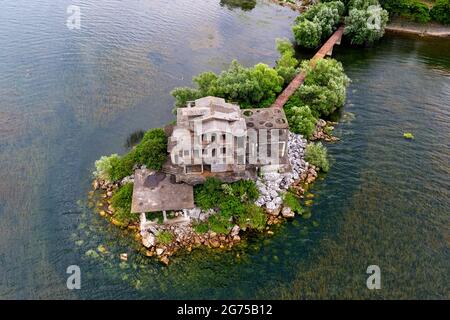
point(441, 11)
point(152, 150)
point(412, 9)
point(308, 34)
point(104, 166)
point(301, 120)
point(220, 224)
point(250, 87)
point(121, 202)
point(325, 87)
point(317, 23)
point(287, 64)
point(252, 217)
point(365, 26)
point(291, 201)
point(316, 154)
point(216, 194)
point(164, 237)
point(208, 194)
point(201, 227)
point(122, 166)
point(233, 201)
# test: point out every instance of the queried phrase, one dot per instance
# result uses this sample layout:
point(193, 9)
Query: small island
point(244, 147)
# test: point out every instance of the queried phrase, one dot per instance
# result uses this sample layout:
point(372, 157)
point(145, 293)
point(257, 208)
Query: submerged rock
point(287, 212)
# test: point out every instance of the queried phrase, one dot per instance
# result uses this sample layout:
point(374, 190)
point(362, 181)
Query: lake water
point(71, 96)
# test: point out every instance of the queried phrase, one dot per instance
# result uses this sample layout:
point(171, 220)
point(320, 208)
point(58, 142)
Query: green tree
point(316, 154)
point(301, 120)
point(365, 26)
point(286, 66)
point(441, 11)
point(308, 34)
point(325, 87)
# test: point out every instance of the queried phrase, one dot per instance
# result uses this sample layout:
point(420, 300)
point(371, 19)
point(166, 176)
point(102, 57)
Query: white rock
point(287, 212)
point(148, 240)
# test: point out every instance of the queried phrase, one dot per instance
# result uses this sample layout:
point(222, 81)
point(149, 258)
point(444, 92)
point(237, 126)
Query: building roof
point(266, 118)
point(154, 191)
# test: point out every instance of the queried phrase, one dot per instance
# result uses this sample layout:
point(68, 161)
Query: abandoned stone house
point(211, 138)
point(215, 138)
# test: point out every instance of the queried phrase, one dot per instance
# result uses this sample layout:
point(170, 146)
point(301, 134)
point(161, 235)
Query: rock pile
point(272, 184)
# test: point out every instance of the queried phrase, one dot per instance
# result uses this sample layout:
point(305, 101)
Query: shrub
point(201, 227)
point(317, 23)
point(121, 202)
point(252, 217)
point(287, 64)
point(233, 201)
point(308, 34)
point(152, 150)
point(316, 154)
point(208, 194)
point(365, 26)
point(291, 201)
point(123, 166)
point(301, 120)
point(104, 166)
point(325, 87)
point(220, 224)
point(441, 11)
point(250, 87)
point(164, 237)
point(412, 9)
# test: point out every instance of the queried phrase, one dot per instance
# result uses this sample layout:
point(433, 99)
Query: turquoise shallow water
point(69, 97)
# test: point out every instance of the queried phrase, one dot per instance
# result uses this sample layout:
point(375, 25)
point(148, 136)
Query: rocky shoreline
point(271, 186)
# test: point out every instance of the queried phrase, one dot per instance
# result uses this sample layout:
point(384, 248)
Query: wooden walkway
point(326, 49)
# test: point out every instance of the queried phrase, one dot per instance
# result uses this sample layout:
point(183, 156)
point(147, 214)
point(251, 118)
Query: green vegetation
point(252, 87)
point(441, 11)
point(253, 217)
point(291, 201)
point(308, 34)
point(201, 227)
point(323, 92)
point(301, 120)
point(316, 154)
point(151, 151)
point(408, 135)
point(419, 11)
point(317, 23)
point(324, 89)
point(121, 202)
point(286, 66)
point(366, 22)
point(234, 203)
point(242, 4)
point(164, 237)
point(104, 167)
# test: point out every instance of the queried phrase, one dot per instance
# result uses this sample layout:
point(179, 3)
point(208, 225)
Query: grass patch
point(121, 202)
point(164, 237)
point(291, 201)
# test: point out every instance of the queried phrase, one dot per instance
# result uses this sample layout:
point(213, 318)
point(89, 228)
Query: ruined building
point(213, 138)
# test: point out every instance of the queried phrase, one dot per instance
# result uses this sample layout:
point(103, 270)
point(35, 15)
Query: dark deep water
point(70, 96)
